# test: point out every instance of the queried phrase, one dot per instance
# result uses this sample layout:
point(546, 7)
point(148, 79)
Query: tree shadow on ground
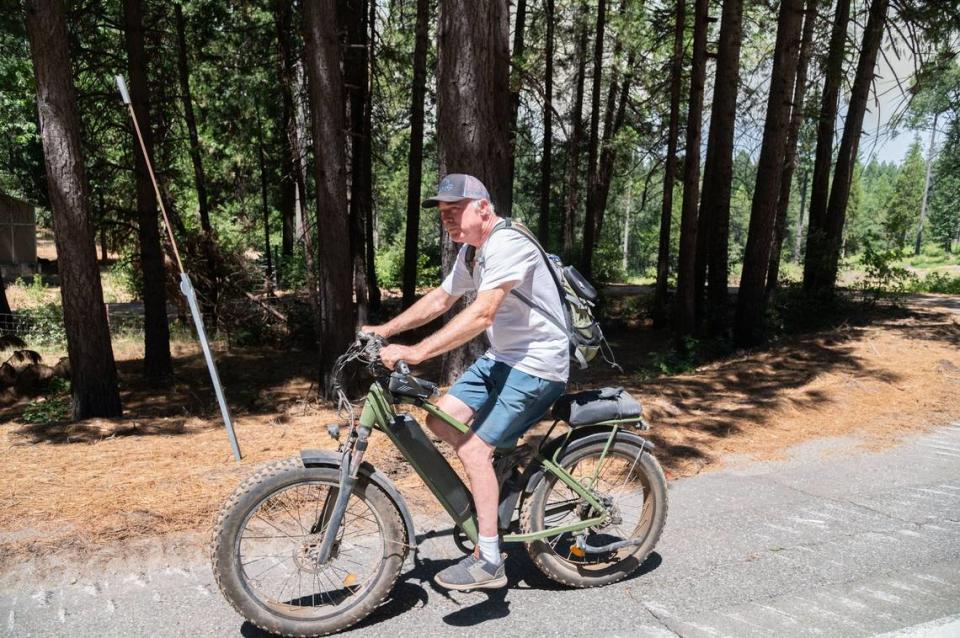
point(255, 381)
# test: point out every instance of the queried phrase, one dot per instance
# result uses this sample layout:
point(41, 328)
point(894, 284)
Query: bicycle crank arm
point(611, 547)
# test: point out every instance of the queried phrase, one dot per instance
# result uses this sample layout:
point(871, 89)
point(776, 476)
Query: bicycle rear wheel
point(630, 482)
point(267, 538)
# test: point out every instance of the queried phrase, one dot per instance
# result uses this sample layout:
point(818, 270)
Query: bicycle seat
point(595, 406)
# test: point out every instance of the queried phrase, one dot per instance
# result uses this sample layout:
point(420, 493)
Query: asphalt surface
point(833, 541)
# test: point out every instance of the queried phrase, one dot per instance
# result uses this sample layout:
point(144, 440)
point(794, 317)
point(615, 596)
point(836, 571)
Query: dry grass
point(166, 466)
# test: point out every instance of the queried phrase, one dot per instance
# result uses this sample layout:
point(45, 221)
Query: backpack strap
point(566, 327)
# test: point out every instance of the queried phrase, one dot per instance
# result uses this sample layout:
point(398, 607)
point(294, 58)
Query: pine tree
point(903, 208)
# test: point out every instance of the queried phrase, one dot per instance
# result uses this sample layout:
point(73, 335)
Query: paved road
point(834, 541)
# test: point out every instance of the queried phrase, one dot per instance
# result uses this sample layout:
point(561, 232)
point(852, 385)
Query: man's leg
point(477, 458)
point(443, 430)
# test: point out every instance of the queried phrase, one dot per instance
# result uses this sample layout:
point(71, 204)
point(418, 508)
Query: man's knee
point(475, 452)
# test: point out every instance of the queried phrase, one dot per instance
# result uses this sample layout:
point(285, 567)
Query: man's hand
point(393, 353)
point(377, 330)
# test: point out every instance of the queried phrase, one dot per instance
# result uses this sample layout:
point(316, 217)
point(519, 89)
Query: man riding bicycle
point(507, 390)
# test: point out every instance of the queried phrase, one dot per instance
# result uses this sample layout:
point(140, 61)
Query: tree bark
point(714, 220)
point(814, 262)
point(516, 80)
point(322, 53)
point(847, 154)
point(574, 148)
point(415, 158)
point(546, 162)
point(264, 203)
point(751, 299)
point(660, 314)
point(473, 116)
point(157, 363)
point(593, 146)
point(185, 95)
point(291, 178)
point(373, 288)
point(798, 231)
point(926, 185)
point(686, 265)
point(790, 157)
point(356, 80)
point(93, 371)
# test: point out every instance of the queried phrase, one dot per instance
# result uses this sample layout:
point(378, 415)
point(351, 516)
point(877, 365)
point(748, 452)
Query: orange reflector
point(349, 580)
point(576, 551)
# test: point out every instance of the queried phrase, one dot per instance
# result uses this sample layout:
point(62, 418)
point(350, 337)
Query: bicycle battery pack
point(435, 471)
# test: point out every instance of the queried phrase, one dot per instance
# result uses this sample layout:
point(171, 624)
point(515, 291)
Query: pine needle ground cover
point(158, 475)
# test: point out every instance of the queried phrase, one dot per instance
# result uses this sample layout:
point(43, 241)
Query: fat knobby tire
point(566, 573)
point(269, 480)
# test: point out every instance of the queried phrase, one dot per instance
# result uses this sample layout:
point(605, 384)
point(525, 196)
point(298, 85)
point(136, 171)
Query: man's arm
point(468, 323)
point(426, 309)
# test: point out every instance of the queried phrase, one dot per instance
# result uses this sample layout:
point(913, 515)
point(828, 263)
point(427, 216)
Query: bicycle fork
point(335, 505)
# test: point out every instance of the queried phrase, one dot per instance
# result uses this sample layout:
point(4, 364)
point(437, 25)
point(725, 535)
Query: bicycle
point(311, 545)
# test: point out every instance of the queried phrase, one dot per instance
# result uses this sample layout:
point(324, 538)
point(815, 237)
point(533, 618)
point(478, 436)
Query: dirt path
point(166, 466)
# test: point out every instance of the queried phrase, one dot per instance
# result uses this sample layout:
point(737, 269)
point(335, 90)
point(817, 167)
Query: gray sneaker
point(472, 573)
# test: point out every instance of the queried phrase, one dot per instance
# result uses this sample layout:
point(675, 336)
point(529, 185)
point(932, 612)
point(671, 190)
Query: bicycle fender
point(583, 435)
point(326, 458)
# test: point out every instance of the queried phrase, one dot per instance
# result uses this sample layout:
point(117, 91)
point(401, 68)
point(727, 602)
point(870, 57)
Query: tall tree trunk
point(790, 157)
point(322, 55)
point(798, 231)
point(599, 183)
point(686, 265)
point(415, 157)
point(814, 262)
point(356, 80)
point(473, 116)
point(847, 154)
point(751, 299)
point(92, 368)
point(209, 292)
point(373, 288)
point(516, 79)
point(5, 311)
point(185, 95)
point(660, 314)
point(926, 185)
point(264, 203)
point(291, 177)
point(574, 148)
point(157, 363)
point(546, 162)
point(714, 221)
point(593, 146)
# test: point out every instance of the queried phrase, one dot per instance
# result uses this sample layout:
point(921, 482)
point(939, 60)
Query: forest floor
point(165, 467)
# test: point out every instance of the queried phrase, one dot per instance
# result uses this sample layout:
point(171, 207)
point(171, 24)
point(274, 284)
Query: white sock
point(490, 549)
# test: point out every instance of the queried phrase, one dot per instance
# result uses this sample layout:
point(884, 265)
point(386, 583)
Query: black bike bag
point(596, 406)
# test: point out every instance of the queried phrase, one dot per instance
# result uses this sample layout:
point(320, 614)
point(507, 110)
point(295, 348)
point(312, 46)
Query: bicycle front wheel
point(267, 538)
point(630, 483)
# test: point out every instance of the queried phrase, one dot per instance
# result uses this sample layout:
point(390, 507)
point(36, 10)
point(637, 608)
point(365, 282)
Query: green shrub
point(53, 406)
point(882, 277)
point(608, 264)
point(42, 325)
point(389, 264)
point(938, 282)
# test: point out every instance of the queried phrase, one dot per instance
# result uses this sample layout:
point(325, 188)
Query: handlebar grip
point(402, 367)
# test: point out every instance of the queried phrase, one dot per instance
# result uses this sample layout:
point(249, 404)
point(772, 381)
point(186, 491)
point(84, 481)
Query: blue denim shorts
point(506, 402)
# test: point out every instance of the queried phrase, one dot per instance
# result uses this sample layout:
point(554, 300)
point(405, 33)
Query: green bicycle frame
point(407, 435)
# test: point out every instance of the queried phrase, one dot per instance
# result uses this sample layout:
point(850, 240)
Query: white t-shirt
point(520, 335)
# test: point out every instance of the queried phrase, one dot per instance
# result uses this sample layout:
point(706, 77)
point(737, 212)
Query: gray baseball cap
point(457, 186)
